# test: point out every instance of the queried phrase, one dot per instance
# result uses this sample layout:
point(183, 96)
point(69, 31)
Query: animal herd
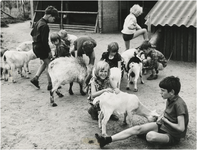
point(66, 70)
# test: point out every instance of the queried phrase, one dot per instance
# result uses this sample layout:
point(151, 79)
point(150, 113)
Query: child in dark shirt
point(169, 128)
point(112, 57)
point(40, 35)
point(62, 49)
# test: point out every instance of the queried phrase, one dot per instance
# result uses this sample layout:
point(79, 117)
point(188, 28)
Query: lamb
point(115, 76)
point(13, 60)
point(134, 68)
point(64, 70)
point(24, 46)
point(122, 103)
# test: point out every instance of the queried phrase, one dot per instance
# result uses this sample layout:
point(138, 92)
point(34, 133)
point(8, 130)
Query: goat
point(64, 70)
point(115, 76)
point(121, 103)
point(24, 46)
point(134, 68)
point(13, 60)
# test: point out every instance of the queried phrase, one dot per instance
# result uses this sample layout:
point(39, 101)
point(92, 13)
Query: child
point(169, 128)
point(112, 57)
point(68, 38)
point(62, 49)
point(131, 29)
point(41, 47)
point(99, 84)
point(155, 60)
point(85, 45)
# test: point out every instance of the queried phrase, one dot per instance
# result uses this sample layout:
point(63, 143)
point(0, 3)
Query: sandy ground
point(29, 122)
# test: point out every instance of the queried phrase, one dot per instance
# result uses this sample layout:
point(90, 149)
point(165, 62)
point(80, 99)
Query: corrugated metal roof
point(175, 12)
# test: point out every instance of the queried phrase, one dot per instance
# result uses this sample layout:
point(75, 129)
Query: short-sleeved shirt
point(98, 85)
point(112, 62)
point(156, 56)
point(40, 34)
point(78, 44)
point(175, 108)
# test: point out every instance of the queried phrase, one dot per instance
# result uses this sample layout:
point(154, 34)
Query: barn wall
point(180, 41)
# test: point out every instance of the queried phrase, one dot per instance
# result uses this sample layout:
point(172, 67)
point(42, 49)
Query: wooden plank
point(194, 45)
point(72, 12)
point(189, 57)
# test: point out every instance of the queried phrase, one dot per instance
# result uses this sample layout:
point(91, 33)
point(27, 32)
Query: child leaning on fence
point(154, 61)
point(99, 84)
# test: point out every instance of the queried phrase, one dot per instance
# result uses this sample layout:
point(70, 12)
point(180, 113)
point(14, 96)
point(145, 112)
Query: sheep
point(134, 68)
point(13, 60)
point(121, 103)
point(64, 70)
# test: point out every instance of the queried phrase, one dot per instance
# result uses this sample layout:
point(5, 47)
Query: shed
point(100, 16)
point(177, 22)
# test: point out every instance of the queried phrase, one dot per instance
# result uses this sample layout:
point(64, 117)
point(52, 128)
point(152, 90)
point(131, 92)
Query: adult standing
point(131, 29)
point(41, 48)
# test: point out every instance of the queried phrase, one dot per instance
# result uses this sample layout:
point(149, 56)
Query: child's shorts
point(172, 140)
point(127, 37)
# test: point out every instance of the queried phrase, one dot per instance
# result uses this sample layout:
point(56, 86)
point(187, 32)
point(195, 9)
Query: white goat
point(134, 68)
point(127, 55)
point(24, 46)
point(64, 70)
point(13, 60)
point(115, 76)
point(122, 103)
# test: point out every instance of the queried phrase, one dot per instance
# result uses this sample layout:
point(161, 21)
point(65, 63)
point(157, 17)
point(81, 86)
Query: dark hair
point(88, 47)
point(113, 47)
point(50, 10)
point(145, 45)
point(171, 83)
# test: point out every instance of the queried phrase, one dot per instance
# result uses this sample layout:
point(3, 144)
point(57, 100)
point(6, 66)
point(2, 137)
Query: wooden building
point(176, 21)
point(95, 16)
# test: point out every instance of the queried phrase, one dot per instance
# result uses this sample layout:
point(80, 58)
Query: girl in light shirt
point(131, 29)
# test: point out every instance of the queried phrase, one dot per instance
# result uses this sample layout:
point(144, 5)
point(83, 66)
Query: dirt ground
point(29, 122)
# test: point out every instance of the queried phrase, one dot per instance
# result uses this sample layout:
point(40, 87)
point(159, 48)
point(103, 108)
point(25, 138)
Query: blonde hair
point(62, 33)
point(100, 66)
point(54, 37)
point(136, 10)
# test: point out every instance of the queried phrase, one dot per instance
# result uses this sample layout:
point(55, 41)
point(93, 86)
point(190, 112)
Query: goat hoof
point(124, 123)
point(135, 90)
point(71, 93)
point(29, 72)
point(142, 82)
point(131, 82)
point(127, 88)
point(53, 104)
point(83, 93)
point(60, 95)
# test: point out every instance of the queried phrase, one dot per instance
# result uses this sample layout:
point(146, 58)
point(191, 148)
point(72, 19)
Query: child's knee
point(151, 136)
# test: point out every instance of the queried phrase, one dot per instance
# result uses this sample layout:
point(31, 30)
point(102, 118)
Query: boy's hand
point(117, 90)
point(109, 90)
